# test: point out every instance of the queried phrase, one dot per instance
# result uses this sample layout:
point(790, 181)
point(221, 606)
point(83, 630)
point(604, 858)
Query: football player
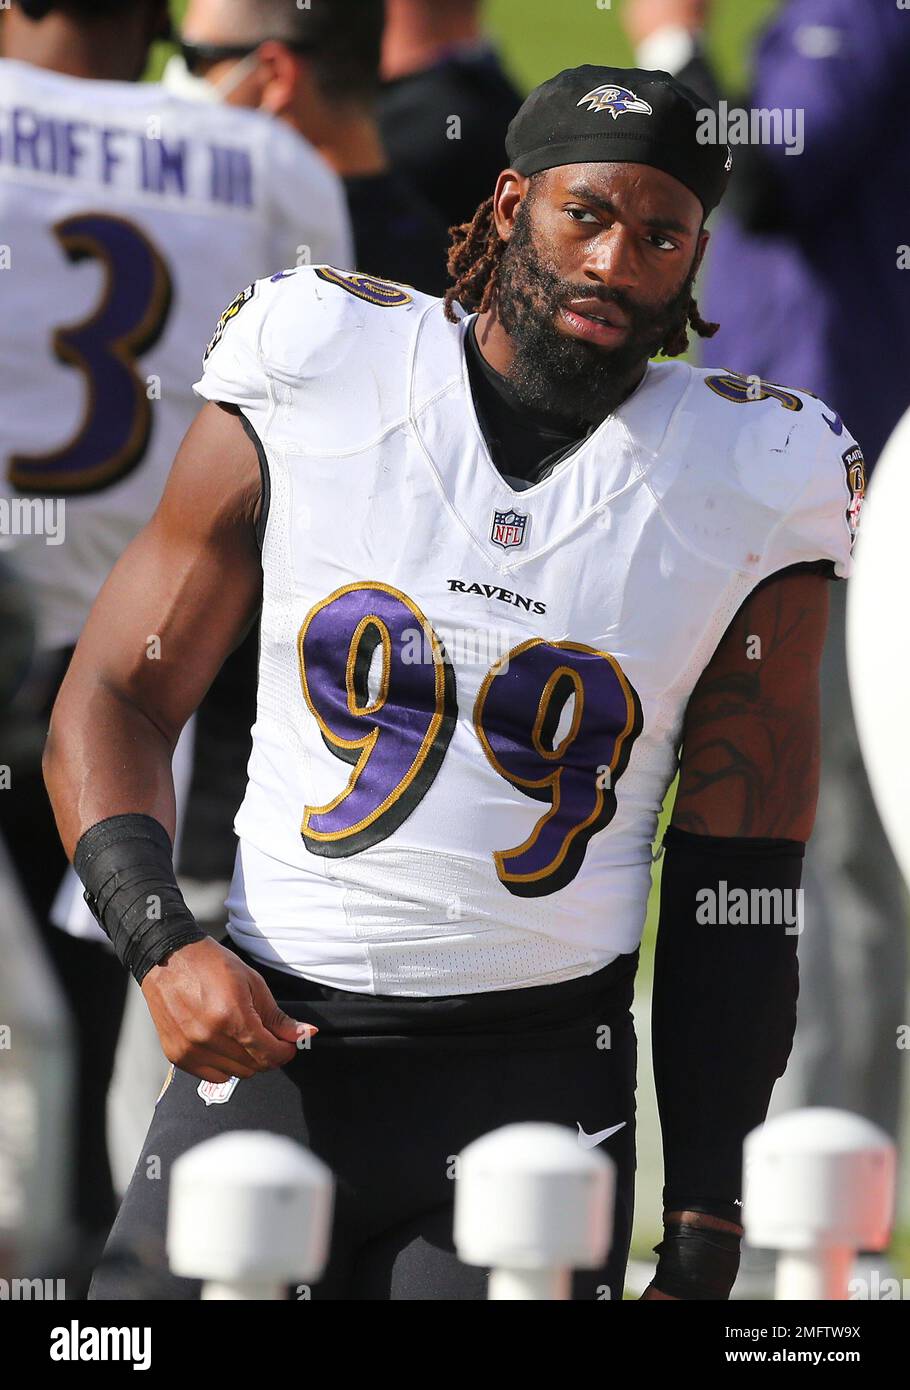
point(317, 68)
point(508, 566)
point(446, 101)
point(129, 217)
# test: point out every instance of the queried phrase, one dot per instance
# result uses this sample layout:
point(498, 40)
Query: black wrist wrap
point(696, 1262)
point(723, 1009)
point(126, 865)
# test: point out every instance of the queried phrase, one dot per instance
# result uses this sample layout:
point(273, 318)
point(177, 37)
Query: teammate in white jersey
point(507, 565)
point(129, 217)
point(127, 212)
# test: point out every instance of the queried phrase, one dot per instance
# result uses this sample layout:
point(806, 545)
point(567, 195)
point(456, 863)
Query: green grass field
point(540, 37)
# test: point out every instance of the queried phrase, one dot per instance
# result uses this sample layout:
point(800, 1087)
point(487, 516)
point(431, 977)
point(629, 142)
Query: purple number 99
point(395, 740)
point(517, 716)
point(397, 734)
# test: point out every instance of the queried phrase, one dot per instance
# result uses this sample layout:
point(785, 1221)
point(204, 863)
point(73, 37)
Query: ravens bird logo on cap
point(616, 100)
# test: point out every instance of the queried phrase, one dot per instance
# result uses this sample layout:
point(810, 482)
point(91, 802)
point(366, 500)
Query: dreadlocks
point(473, 264)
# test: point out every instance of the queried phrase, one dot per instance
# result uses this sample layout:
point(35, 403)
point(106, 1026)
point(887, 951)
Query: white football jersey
point(471, 698)
point(128, 216)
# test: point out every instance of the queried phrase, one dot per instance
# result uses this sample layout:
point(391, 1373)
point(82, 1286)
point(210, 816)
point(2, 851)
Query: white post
point(813, 1276)
point(533, 1205)
point(540, 1284)
point(819, 1185)
point(249, 1213)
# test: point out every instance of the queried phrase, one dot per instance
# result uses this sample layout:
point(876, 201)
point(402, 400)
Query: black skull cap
point(622, 115)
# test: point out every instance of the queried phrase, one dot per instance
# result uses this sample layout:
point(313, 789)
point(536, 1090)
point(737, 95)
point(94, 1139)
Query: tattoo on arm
point(750, 754)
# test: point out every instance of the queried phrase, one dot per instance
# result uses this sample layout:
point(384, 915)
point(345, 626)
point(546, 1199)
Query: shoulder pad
point(798, 456)
point(350, 332)
point(770, 476)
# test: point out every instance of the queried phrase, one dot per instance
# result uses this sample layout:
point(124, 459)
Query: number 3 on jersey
point(130, 317)
point(397, 740)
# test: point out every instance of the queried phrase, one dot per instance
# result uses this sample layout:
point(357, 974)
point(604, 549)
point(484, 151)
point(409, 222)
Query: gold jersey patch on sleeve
point(855, 465)
point(385, 293)
point(230, 312)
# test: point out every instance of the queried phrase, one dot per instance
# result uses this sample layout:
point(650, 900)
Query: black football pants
point(388, 1094)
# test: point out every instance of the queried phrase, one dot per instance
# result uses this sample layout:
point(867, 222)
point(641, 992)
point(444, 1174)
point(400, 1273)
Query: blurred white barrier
point(819, 1185)
point(878, 660)
point(533, 1205)
point(878, 640)
point(36, 1092)
point(249, 1213)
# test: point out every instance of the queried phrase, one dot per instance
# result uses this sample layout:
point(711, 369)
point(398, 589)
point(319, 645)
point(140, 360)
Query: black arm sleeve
point(724, 1005)
point(126, 866)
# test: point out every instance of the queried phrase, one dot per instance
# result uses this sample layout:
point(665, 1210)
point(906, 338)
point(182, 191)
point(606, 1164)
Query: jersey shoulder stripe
point(385, 293)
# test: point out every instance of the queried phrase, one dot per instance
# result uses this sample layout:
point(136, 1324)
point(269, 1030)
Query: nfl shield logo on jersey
point(508, 528)
point(216, 1092)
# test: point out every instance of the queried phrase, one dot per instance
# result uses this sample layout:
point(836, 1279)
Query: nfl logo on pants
point(508, 528)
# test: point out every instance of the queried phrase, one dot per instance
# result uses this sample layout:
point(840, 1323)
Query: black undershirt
point(524, 444)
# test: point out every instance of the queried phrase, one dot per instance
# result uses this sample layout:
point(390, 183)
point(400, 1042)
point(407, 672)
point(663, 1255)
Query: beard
point(563, 376)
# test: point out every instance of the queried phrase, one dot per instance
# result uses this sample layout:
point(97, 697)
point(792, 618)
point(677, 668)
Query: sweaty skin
point(608, 230)
point(751, 738)
point(192, 578)
point(179, 599)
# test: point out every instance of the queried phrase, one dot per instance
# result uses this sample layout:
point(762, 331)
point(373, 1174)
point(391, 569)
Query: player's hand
point(642, 18)
point(216, 1017)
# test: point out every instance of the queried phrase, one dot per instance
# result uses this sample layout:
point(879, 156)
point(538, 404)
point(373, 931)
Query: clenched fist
point(216, 1017)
